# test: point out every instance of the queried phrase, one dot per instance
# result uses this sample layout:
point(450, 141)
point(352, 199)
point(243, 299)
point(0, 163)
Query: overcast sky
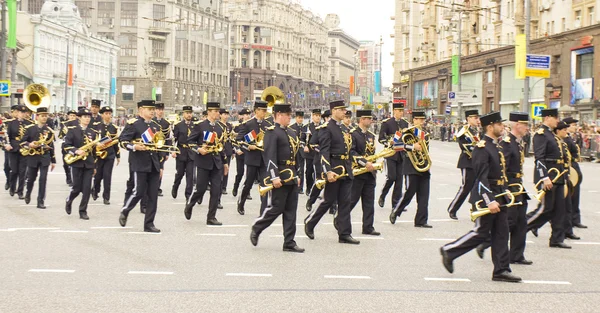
point(363, 20)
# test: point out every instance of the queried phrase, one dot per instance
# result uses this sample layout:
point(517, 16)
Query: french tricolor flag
point(106, 140)
point(397, 137)
point(250, 137)
point(209, 137)
point(398, 143)
point(419, 134)
point(148, 135)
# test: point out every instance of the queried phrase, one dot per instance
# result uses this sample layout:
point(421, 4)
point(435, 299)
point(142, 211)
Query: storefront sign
point(537, 66)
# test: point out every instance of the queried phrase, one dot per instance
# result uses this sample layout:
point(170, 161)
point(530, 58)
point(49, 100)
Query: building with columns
point(343, 50)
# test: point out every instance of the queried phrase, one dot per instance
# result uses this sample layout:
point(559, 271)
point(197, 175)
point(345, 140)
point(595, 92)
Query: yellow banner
point(520, 56)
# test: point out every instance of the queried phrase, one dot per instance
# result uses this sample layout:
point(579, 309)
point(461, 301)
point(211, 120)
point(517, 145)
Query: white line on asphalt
point(388, 222)
point(436, 239)
point(218, 235)
point(443, 185)
point(150, 273)
point(142, 233)
point(546, 282)
point(32, 228)
point(39, 270)
point(297, 236)
point(110, 227)
point(442, 220)
point(27, 205)
point(445, 198)
point(347, 277)
point(369, 237)
point(248, 275)
point(97, 204)
point(447, 279)
point(529, 241)
point(331, 223)
point(585, 243)
point(178, 203)
point(227, 226)
point(68, 231)
point(593, 191)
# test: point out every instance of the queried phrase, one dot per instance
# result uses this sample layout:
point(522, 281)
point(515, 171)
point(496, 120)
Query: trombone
point(158, 144)
point(481, 211)
point(320, 183)
point(540, 195)
point(268, 187)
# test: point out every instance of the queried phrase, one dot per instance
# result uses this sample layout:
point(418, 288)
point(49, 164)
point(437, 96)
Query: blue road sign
point(451, 95)
point(4, 88)
point(448, 109)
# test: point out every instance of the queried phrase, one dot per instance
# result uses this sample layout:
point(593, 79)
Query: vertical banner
point(352, 85)
point(154, 93)
point(11, 6)
point(520, 56)
point(371, 98)
point(239, 95)
point(378, 81)
point(70, 78)
point(113, 86)
point(205, 98)
point(455, 70)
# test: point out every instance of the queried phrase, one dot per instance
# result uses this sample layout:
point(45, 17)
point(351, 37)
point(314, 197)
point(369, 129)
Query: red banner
point(70, 78)
point(352, 85)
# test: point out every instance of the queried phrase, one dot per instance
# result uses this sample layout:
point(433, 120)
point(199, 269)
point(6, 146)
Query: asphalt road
point(52, 262)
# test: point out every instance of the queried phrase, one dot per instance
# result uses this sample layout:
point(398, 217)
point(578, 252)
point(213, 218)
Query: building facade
point(342, 59)
point(368, 82)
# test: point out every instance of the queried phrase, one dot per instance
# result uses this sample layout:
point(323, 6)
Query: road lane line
point(592, 191)
point(442, 220)
point(584, 243)
point(248, 275)
point(331, 223)
point(297, 236)
point(41, 270)
point(369, 237)
point(110, 227)
point(388, 222)
point(149, 273)
point(436, 239)
point(346, 277)
point(69, 231)
point(217, 235)
point(27, 205)
point(142, 233)
point(227, 226)
point(445, 198)
point(546, 282)
point(33, 228)
point(447, 279)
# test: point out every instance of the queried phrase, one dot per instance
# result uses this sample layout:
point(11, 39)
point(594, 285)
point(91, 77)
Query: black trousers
point(552, 208)
point(576, 215)
point(129, 191)
point(225, 179)
point(6, 167)
point(184, 168)
point(310, 174)
point(239, 170)
point(494, 225)
point(419, 185)
point(337, 191)
point(393, 177)
point(203, 177)
point(517, 229)
point(144, 183)
point(82, 184)
point(32, 173)
point(18, 168)
point(363, 188)
point(104, 169)
point(283, 200)
point(67, 169)
point(568, 220)
point(468, 181)
point(300, 170)
point(252, 173)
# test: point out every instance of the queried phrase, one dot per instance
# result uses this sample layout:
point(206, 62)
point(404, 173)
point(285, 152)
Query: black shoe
point(123, 219)
point(381, 202)
point(446, 261)
point(335, 224)
point(70, 184)
point(21, 197)
point(249, 197)
point(160, 193)
point(349, 240)
point(423, 226)
point(27, 199)
point(254, 238)
point(220, 206)
point(534, 231)
point(143, 209)
point(372, 233)
point(561, 245)
point(234, 192)
point(507, 277)
point(240, 209)
point(301, 192)
point(188, 211)
point(213, 222)
point(94, 196)
point(106, 202)
point(68, 207)
point(84, 216)
point(453, 216)
point(308, 205)
point(295, 248)
point(480, 251)
point(393, 217)
point(572, 236)
point(309, 233)
point(41, 206)
point(6, 186)
point(174, 192)
point(579, 225)
point(522, 262)
point(199, 201)
point(12, 193)
point(224, 191)
point(152, 229)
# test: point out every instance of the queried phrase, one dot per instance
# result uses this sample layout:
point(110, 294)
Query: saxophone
point(43, 143)
point(87, 148)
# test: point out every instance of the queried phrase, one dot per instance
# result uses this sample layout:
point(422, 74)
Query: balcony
point(448, 15)
point(159, 60)
point(405, 6)
point(159, 29)
point(405, 29)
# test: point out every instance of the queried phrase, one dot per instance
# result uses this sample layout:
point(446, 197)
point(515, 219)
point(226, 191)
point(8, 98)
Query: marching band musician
point(490, 181)
point(165, 126)
point(561, 132)
point(309, 153)
point(298, 127)
point(95, 108)
point(64, 127)
point(81, 170)
point(4, 142)
point(239, 153)
point(549, 155)
point(104, 166)
point(144, 163)
point(335, 148)
point(467, 137)
point(315, 192)
point(283, 199)
point(184, 162)
point(211, 163)
point(417, 180)
point(227, 147)
point(575, 156)
point(393, 164)
point(347, 122)
point(42, 159)
point(15, 130)
point(363, 186)
point(246, 138)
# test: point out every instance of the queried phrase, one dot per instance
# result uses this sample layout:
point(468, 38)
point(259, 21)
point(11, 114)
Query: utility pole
point(13, 74)
point(110, 74)
point(459, 112)
point(525, 103)
point(3, 51)
point(66, 77)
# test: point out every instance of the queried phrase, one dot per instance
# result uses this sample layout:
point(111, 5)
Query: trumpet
point(320, 183)
point(215, 148)
point(385, 153)
point(540, 195)
point(481, 211)
point(268, 187)
point(361, 170)
point(158, 144)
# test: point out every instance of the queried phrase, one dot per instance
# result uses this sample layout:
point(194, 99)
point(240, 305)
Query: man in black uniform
point(211, 164)
point(298, 127)
point(15, 131)
point(393, 164)
point(184, 161)
point(137, 137)
point(247, 139)
point(466, 137)
point(575, 157)
point(490, 181)
point(4, 141)
point(283, 199)
point(335, 146)
point(239, 152)
point(562, 133)
point(417, 180)
point(104, 166)
point(95, 108)
point(39, 138)
point(308, 152)
point(363, 186)
point(549, 154)
point(347, 122)
point(64, 126)
point(81, 170)
point(227, 147)
point(159, 117)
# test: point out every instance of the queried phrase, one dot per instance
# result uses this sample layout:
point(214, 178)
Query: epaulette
point(197, 122)
point(352, 130)
point(481, 144)
point(131, 120)
point(29, 126)
point(97, 123)
point(372, 133)
point(506, 139)
point(71, 127)
point(385, 120)
point(271, 127)
point(95, 130)
point(157, 123)
point(8, 120)
point(540, 131)
point(321, 126)
point(176, 123)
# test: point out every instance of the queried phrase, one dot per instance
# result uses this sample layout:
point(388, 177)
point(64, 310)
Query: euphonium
point(87, 148)
point(320, 183)
point(481, 211)
point(465, 132)
point(268, 187)
point(361, 170)
point(419, 159)
point(540, 195)
point(272, 95)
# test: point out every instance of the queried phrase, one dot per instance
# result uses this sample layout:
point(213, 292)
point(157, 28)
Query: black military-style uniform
point(393, 164)
point(466, 144)
point(239, 160)
point(575, 152)
point(298, 129)
point(363, 186)
point(3, 141)
point(334, 147)
point(416, 183)
point(281, 146)
point(96, 119)
point(489, 166)
point(104, 167)
point(549, 154)
point(316, 164)
point(145, 167)
point(15, 131)
point(165, 126)
point(184, 162)
point(228, 149)
point(64, 127)
point(209, 167)
point(308, 133)
point(40, 161)
point(82, 170)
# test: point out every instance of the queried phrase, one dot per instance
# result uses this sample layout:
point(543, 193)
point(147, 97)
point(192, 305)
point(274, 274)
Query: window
point(158, 16)
point(108, 35)
point(106, 13)
point(563, 26)
point(127, 92)
point(490, 77)
point(552, 28)
point(585, 63)
point(178, 49)
point(193, 52)
point(160, 72)
point(132, 70)
point(129, 14)
point(245, 82)
point(128, 45)
point(185, 50)
point(591, 16)
point(442, 84)
point(578, 18)
point(158, 48)
point(85, 10)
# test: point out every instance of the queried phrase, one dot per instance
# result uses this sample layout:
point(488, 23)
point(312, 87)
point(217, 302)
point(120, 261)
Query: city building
point(342, 59)
point(59, 53)
point(278, 43)
point(368, 82)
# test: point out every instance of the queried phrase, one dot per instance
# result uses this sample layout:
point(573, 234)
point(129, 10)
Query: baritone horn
point(268, 187)
point(540, 195)
point(36, 96)
point(419, 159)
point(320, 183)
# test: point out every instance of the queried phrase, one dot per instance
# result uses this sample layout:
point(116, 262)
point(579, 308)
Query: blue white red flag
point(148, 135)
point(209, 137)
point(250, 137)
point(419, 134)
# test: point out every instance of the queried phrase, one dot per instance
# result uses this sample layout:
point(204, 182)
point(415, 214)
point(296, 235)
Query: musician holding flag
point(104, 166)
point(393, 164)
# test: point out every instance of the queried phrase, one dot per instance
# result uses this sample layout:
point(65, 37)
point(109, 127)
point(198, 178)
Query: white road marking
point(39, 270)
point(546, 282)
point(150, 273)
point(445, 198)
point(442, 220)
point(347, 277)
point(584, 243)
point(27, 205)
point(436, 239)
point(68, 231)
point(110, 227)
point(369, 237)
point(218, 235)
point(248, 275)
point(593, 191)
point(297, 236)
point(178, 203)
point(142, 233)
point(447, 279)
point(388, 222)
point(32, 228)
point(227, 226)
point(529, 241)
point(331, 223)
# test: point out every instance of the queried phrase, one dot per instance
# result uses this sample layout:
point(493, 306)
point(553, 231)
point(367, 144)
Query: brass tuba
point(272, 95)
point(36, 96)
point(419, 159)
